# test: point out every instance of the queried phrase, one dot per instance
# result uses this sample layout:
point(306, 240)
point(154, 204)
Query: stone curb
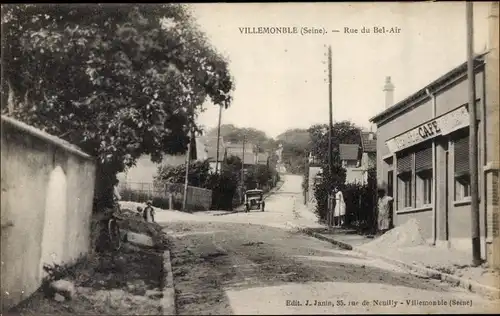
point(168, 300)
point(467, 284)
point(342, 245)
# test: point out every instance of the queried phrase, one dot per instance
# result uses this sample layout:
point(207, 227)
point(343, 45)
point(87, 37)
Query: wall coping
point(45, 136)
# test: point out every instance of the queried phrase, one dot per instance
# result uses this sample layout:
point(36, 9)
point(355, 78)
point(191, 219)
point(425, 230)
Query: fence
point(197, 198)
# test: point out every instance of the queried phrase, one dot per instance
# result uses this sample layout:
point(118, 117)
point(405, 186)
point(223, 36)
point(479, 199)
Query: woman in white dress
point(339, 212)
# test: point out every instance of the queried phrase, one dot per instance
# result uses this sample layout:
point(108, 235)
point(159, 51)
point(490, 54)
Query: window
point(423, 169)
point(405, 176)
point(424, 189)
point(462, 187)
point(462, 172)
point(405, 182)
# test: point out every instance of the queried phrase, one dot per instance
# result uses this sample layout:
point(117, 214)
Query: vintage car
point(254, 199)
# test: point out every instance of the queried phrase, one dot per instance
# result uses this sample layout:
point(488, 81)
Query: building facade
point(423, 158)
point(369, 153)
point(145, 170)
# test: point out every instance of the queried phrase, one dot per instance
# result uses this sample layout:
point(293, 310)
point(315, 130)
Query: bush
point(144, 196)
point(224, 188)
point(325, 185)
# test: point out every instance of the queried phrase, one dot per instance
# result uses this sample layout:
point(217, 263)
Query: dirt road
point(256, 263)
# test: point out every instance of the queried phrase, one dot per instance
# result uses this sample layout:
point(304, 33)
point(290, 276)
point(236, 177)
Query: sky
point(281, 80)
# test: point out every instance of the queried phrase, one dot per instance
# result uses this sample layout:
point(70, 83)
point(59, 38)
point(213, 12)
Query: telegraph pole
point(473, 163)
point(188, 160)
point(330, 160)
point(218, 139)
point(243, 166)
point(243, 163)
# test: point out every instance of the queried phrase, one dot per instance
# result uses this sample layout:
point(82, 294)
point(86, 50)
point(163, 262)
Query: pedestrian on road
point(384, 210)
point(149, 212)
point(339, 212)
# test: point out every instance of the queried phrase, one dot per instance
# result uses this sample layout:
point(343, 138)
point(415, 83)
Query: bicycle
point(115, 240)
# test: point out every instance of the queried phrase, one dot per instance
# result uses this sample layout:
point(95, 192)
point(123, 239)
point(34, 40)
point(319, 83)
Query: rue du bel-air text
point(372, 30)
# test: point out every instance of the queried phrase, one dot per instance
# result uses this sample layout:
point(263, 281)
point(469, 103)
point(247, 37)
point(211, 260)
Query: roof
point(239, 146)
point(455, 73)
point(349, 151)
point(368, 145)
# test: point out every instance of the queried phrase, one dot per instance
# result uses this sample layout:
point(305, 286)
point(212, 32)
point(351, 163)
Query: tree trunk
point(104, 184)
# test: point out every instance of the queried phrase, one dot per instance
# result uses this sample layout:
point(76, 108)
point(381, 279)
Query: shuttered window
point(462, 156)
point(423, 159)
point(404, 163)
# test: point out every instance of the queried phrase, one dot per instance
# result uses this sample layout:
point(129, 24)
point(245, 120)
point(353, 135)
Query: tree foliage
point(258, 175)
point(118, 80)
point(344, 132)
point(198, 174)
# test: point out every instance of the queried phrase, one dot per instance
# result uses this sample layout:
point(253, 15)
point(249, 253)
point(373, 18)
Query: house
point(423, 155)
point(350, 159)
point(248, 154)
point(369, 152)
point(143, 173)
point(263, 159)
point(349, 155)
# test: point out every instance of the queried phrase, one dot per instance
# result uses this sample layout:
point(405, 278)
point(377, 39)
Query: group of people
point(148, 213)
point(384, 214)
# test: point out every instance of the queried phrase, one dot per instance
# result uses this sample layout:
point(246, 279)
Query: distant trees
point(296, 143)
point(234, 134)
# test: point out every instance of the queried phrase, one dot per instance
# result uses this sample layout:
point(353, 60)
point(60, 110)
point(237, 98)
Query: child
point(139, 211)
point(149, 212)
point(384, 210)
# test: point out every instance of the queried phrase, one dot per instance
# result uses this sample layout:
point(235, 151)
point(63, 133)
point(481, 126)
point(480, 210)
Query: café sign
point(442, 125)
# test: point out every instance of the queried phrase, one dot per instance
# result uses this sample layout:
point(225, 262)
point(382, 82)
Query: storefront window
point(423, 169)
point(424, 189)
point(462, 187)
point(405, 177)
point(462, 172)
point(405, 198)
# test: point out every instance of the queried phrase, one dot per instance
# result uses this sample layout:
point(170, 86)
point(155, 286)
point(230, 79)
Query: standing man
point(384, 211)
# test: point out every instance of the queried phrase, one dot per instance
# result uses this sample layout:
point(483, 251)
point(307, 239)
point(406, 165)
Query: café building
point(423, 158)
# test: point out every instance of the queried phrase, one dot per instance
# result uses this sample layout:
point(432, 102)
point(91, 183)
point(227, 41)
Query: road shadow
point(242, 256)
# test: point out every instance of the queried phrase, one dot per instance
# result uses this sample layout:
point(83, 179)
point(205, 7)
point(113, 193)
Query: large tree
point(119, 81)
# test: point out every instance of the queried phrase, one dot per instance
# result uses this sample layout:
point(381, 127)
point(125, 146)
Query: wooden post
point(473, 151)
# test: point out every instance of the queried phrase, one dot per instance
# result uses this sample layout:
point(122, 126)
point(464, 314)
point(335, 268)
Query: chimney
point(389, 92)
